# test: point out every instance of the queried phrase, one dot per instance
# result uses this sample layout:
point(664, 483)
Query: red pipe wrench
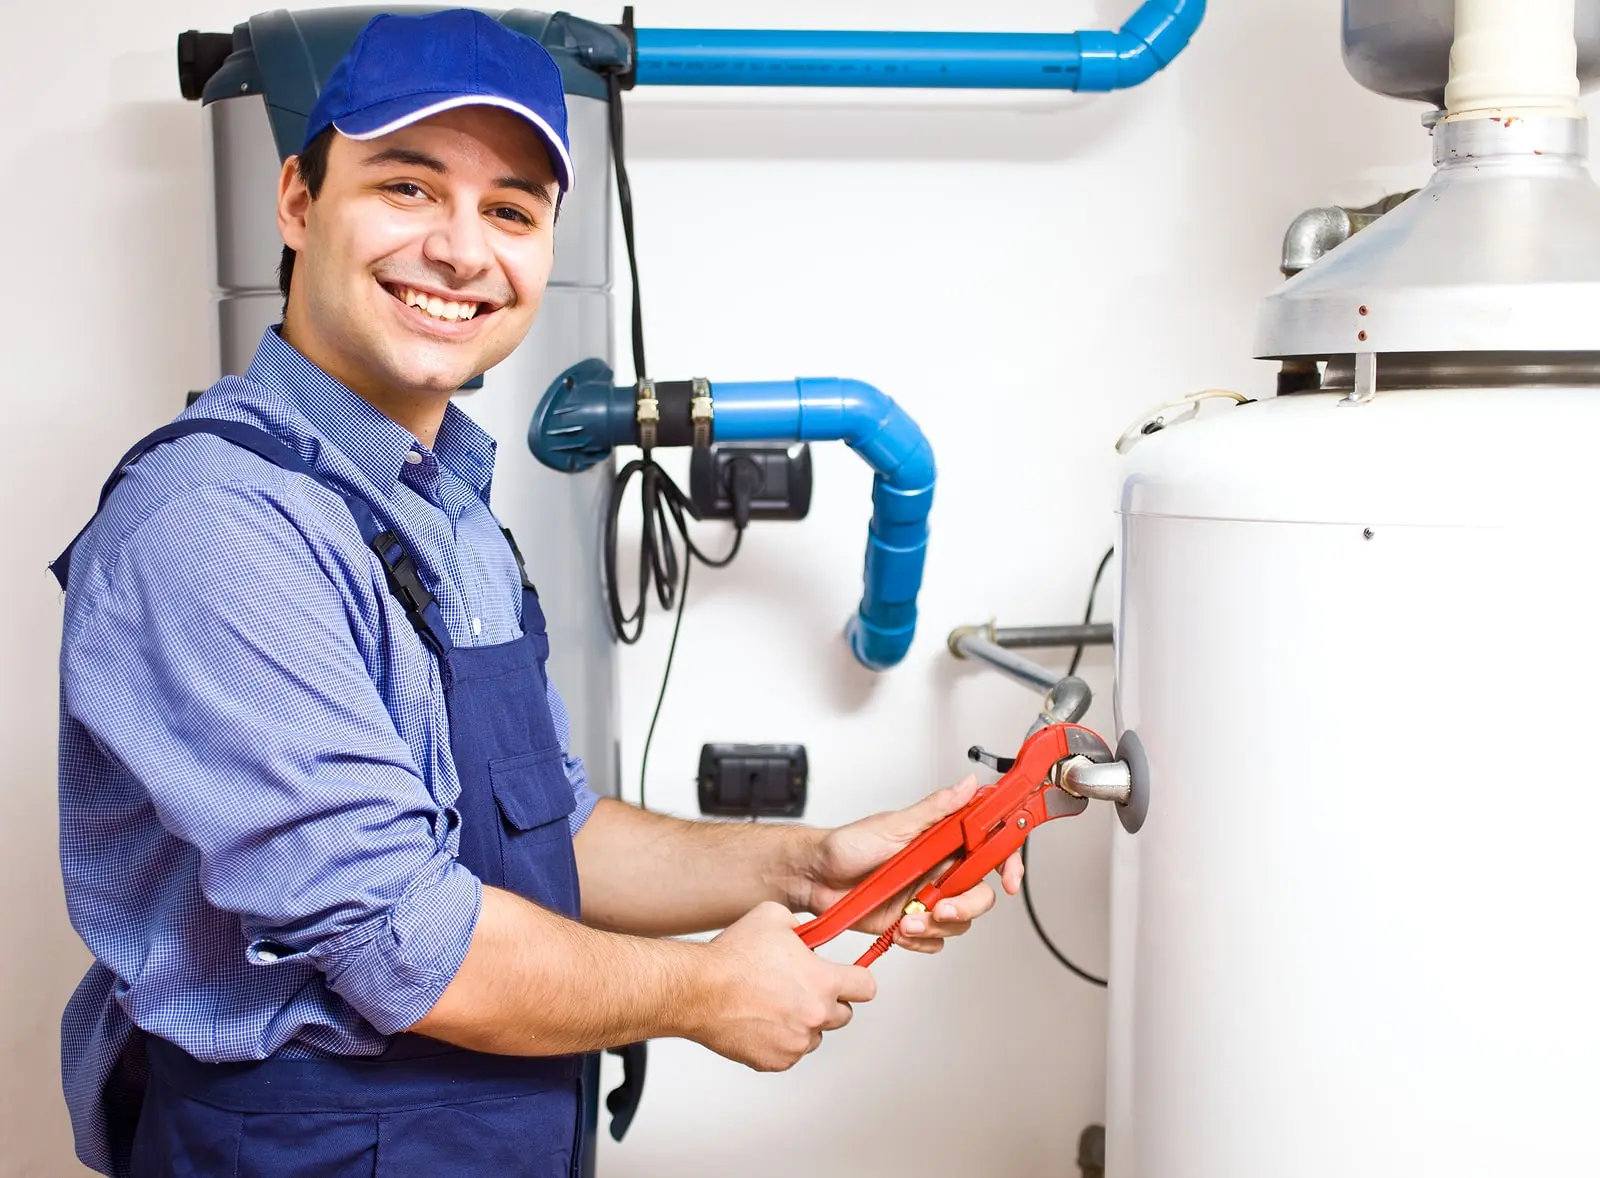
point(978, 837)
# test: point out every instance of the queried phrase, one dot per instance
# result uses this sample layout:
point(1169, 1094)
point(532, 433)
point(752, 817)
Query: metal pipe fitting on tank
point(583, 416)
point(1067, 697)
point(1032, 637)
point(1108, 781)
point(1316, 231)
point(976, 642)
point(1310, 235)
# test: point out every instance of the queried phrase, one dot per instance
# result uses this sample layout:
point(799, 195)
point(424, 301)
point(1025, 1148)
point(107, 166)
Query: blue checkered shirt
point(255, 775)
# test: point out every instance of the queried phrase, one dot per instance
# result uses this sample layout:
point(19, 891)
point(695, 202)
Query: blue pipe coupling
point(583, 416)
point(1085, 60)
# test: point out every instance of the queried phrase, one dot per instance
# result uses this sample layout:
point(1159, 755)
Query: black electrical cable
point(1088, 610)
point(662, 694)
point(625, 200)
point(663, 505)
point(1027, 891)
point(1033, 917)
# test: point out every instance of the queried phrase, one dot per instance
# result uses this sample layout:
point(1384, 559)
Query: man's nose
point(459, 241)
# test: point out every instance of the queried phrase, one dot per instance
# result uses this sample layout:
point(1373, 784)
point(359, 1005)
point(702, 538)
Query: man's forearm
point(656, 876)
point(535, 983)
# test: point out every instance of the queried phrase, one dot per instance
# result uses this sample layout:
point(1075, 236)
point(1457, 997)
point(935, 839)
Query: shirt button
point(414, 457)
point(477, 627)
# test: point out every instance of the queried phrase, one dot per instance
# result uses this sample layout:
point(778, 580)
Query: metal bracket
point(1366, 379)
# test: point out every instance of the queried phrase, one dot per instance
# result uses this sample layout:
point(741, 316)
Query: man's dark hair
point(312, 164)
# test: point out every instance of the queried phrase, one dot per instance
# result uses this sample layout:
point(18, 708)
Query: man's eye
point(516, 216)
point(404, 188)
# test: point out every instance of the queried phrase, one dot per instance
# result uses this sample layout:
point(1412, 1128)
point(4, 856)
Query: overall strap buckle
point(405, 582)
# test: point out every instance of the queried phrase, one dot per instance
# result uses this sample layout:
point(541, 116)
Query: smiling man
point(353, 906)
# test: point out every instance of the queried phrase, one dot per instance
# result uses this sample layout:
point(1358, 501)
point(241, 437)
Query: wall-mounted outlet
point(784, 491)
point(753, 780)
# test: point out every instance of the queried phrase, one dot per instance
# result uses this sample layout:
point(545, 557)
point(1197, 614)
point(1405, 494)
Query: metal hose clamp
point(647, 412)
point(700, 411)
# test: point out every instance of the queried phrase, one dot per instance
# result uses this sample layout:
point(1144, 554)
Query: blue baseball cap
point(405, 68)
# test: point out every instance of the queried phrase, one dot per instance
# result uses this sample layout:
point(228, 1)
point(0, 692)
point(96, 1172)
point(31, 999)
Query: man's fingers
point(969, 905)
point(950, 916)
point(1011, 873)
point(856, 984)
point(941, 803)
point(920, 927)
point(842, 1012)
point(937, 931)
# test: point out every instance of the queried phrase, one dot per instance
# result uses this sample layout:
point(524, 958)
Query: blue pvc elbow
point(1146, 43)
point(871, 424)
point(902, 496)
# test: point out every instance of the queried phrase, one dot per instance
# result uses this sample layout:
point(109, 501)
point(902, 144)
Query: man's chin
point(428, 376)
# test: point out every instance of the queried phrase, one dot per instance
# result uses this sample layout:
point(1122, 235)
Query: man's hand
point(770, 997)
point(848, 854)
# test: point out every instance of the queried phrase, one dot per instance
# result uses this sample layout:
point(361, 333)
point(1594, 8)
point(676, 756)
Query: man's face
point(424, 257)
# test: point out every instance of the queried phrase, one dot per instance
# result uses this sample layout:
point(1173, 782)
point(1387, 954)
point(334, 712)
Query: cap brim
point(384, 118)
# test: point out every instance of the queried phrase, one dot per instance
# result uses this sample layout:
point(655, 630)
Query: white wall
point(1024, 273)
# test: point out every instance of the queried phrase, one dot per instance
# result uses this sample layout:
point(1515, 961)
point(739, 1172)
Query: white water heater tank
point(1356, 933)
point(1354, 920)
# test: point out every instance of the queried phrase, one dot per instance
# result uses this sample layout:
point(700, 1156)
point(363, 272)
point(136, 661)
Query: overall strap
point(522, 568)
point(401, 571)
point(534, 624)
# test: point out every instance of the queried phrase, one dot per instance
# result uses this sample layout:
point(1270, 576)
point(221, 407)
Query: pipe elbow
point(874, 426)
point(1149, 41)
point(1312, 234)
point(890, 442)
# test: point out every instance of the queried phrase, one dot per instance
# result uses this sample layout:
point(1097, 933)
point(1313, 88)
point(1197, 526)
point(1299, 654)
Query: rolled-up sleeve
point(220, 667)
point(582, 793)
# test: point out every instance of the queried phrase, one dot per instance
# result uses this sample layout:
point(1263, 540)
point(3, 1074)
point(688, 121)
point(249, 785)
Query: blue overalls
point(422, 1109)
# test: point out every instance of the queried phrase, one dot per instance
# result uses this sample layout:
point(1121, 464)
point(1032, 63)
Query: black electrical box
point(753, 780)
point(782, 492)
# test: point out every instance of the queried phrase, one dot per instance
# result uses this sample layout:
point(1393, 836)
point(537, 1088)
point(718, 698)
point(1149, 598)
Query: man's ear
point(294, 202)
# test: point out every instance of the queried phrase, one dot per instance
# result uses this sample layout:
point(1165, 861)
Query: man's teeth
point(437, 307)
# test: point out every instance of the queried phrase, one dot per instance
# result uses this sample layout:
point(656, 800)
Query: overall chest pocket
point(535, 800)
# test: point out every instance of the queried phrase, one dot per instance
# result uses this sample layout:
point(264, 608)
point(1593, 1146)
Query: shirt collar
point(376, 444)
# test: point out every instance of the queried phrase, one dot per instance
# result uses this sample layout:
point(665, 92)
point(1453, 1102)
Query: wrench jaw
point(1058, 803)
point(1082, 742)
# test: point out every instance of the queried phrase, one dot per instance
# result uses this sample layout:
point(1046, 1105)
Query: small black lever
point(998, 764)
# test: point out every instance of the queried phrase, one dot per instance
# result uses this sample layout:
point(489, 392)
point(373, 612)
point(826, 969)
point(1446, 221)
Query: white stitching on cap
point(460, 100)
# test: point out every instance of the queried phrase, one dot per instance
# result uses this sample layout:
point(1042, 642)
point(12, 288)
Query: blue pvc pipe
point(582, 417)
point(828, 409)
point(1087, 60)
